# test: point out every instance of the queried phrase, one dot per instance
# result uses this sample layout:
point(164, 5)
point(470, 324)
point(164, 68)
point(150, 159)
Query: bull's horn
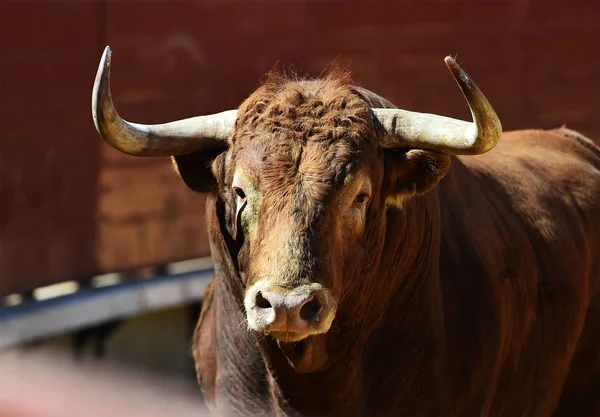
point(169, 139)
point(406, 129)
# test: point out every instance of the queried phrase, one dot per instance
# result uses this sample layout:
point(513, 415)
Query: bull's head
point(305, 171)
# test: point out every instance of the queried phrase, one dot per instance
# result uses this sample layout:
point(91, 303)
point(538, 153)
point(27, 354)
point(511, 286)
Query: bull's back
point(521, 250)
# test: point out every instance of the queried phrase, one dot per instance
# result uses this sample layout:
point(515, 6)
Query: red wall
point(71, 207)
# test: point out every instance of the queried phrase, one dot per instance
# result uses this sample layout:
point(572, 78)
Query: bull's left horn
point(169, 139)
point(406, 129)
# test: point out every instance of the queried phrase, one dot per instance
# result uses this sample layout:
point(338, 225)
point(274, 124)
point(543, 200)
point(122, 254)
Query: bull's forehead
point(294, 177)
point(303, 133)
point(274, 157)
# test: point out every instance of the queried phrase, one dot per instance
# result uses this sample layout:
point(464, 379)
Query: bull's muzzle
point(289, 314)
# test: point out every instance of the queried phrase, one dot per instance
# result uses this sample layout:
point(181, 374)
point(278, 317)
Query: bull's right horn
point(169, 139)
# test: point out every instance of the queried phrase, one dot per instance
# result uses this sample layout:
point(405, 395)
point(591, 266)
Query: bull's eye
point(361, 198)
point(239, 192)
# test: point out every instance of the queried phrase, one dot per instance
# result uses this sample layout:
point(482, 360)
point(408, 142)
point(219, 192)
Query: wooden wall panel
point(48, 157)
point(147, 216)
point(71, 206)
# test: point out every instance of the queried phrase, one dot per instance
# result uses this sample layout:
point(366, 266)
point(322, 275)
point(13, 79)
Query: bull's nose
point(301, 311)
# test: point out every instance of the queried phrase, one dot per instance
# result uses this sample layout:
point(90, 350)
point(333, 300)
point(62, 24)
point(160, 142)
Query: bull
point(373, 261)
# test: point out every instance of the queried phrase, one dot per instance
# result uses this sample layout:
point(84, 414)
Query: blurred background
point(104, 257)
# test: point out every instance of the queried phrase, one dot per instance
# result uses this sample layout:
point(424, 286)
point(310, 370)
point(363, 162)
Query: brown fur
point(474, 292)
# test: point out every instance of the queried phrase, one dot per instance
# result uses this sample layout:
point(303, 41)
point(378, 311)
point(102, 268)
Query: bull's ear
point(196, 170)
point(413, 172)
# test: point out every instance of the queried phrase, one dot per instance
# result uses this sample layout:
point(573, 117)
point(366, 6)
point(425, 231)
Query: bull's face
point(302, 172)
point(305, 171)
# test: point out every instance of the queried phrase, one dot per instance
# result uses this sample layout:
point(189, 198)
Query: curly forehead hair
point(325, 109)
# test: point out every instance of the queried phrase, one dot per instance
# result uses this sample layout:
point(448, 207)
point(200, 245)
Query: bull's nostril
point(262, 302)
point(310, 311)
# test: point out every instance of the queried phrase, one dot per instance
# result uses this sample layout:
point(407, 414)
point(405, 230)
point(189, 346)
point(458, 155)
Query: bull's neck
point(393, 305)
point(409, 309)
point(400, 266)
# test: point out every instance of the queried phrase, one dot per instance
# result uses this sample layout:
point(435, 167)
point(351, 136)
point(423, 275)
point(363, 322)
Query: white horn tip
point(457, 72)
point(451, 63)
point(105, 60)
point(104, 63)
point(100, 92)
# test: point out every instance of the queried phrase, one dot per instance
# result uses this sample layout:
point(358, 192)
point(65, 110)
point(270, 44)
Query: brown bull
point(351, 281)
